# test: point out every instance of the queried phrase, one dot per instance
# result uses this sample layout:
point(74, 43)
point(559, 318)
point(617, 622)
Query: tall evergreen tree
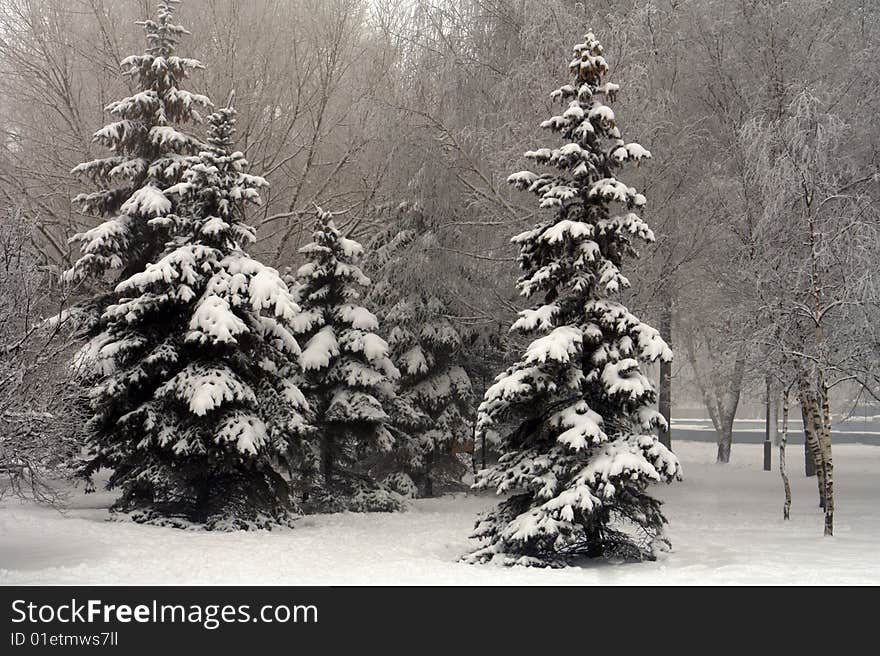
point(149, 155)
point(580, 454)
point(434, 407)
point(196, 413)
point(347, 375)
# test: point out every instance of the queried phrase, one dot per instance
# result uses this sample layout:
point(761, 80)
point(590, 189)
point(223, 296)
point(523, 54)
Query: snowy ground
point(725, 525)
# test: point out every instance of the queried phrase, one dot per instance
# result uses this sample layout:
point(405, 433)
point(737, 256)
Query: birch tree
point(821, 215)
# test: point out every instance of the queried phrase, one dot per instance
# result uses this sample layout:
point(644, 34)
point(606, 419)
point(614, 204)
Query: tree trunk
point(724, 442)
point(786, 508)
point(810, 414)
point(203, 500)
point(770, 436)
point(327, 457)
point(821, 422)
point(721, 400)
point(474, 449)
point(429, 481)
point(726, 417)
point(809, 459)
point(827, 462)
point(664, 404)
point(774, 416)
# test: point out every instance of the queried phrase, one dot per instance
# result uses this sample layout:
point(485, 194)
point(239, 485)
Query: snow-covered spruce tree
point(434, 385)
point(149, 155)
point(196, 413)
point(347, 375)
point(434, 405)
point(580, 451)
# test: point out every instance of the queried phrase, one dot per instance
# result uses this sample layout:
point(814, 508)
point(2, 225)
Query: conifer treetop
point(333, 266)
point(217, 182)
point(330, 291)
point(596, 210)
point(149, 152)
point(162, 34)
